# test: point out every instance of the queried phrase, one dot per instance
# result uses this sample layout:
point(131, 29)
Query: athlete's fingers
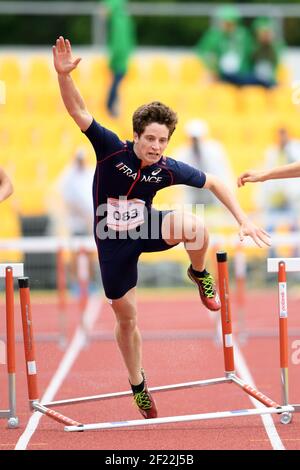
point(68, 46)
point(62, 44)
point(241, 235)
point(76, 61)
point(265, 233)
point(256, 239)
point(266, 239)
point(54, 51)
point(241, 180)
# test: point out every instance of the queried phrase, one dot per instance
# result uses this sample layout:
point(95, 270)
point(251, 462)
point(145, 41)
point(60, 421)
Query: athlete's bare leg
point(187, 228)
point(128, 335)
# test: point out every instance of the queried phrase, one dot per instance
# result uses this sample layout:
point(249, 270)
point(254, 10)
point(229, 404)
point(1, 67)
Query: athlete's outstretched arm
point(247, 227)
point(64, 64)
point(292, 170)
point(6, 187)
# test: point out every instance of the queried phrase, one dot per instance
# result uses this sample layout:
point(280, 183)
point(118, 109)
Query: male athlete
point(127, 177)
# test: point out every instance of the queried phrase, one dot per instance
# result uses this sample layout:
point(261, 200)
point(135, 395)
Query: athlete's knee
point(125, 313)
point(127, 322)
point(127, 325)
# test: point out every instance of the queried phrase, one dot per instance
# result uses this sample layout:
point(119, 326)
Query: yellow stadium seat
point(135, 70)
point(252, 100)
point(98, 74)
point(280, 100)
point(39, 71)
point(17, 100)
point(220, 98)
point(190, 70)
point(31, 203)
point(284, 75)
point(159, 69)
point(10, 70)
point(9, 228)
point(46, 101)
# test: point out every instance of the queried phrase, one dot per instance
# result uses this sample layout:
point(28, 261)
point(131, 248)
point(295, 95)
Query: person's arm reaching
point(6, 187)
point(292, 170)
point(247, 228)
point(64, 64)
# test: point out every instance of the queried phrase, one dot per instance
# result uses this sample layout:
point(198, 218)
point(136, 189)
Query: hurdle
point(229, 377)
point(9, 271)
point(282, 266)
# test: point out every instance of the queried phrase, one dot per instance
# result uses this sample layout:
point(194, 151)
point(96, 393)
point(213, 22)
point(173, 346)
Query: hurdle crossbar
point(127, 393)
point(9, 271)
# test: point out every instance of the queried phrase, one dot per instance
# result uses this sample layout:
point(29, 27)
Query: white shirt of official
point(75, 185)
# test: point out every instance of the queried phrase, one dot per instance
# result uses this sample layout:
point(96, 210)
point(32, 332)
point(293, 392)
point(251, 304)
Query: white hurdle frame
point(271, 407)
point(9, 271)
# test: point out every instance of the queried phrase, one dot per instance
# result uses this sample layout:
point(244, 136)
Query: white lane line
point(244, 373)
point(78, 342)
point(267, 420)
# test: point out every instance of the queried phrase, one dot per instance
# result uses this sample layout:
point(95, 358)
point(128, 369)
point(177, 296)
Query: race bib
point(124, 214)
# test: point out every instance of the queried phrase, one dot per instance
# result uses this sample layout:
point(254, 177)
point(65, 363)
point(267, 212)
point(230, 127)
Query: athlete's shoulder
point(173, 164)
point(167, 162)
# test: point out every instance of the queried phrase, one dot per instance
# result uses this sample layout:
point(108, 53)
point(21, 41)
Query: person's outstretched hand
point(64, 62)
point(258, 235)
point(250, 176)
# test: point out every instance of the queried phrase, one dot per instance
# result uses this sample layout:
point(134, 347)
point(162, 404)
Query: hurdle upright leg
point(282, 266)
point(283, 338)
point(225, 314)
point(8, 271)
point(283, 318)
point(11, 349)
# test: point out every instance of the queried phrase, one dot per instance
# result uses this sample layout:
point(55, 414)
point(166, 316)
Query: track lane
point(105, 373)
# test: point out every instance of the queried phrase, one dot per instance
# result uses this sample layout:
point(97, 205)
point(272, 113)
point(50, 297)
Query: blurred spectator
point(74, 185)
point(266, 53)
point(121, 42)
point(206, 154)
point(225, 48)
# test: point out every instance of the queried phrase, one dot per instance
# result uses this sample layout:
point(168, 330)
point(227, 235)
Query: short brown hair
point(154, 112)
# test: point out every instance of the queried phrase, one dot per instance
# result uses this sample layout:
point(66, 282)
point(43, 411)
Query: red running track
point(173, 353)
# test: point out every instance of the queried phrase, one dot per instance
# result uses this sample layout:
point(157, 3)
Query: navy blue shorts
point(118, 258)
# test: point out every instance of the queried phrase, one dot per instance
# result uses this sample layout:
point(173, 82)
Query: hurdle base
point(270, 406)
point(12, 420)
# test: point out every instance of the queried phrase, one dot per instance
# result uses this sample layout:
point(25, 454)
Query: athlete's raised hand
point(64, 62)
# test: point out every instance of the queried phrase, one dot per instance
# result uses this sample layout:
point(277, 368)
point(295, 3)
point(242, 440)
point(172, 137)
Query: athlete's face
point(150, 145)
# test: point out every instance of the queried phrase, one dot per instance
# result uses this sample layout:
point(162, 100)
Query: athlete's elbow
point(212, 182)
